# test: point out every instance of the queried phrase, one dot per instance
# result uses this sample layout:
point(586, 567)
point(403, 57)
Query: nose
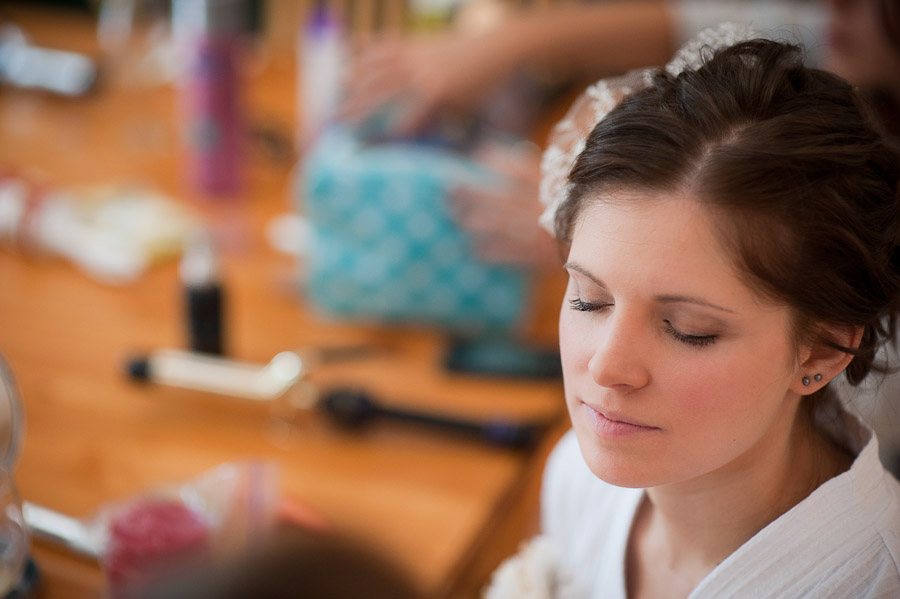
point(620, 358)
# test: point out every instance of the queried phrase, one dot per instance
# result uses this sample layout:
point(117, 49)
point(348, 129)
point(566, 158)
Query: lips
point(611, 424)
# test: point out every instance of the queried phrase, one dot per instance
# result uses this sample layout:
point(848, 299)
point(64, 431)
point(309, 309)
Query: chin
point(619, 468)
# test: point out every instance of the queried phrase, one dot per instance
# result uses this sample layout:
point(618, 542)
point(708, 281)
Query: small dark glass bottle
point(203, 296)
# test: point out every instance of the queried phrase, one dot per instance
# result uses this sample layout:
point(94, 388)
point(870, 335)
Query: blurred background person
point(460, 68)
point(466, 69)
point(295, 562)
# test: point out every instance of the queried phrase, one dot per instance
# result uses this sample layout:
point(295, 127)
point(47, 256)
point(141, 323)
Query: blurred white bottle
point(320, 60)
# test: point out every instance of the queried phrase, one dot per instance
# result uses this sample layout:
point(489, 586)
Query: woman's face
point(674, 368)
point(859, 49)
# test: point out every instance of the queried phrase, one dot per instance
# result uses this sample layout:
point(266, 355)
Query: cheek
point(575, 347)
point(728, 392)
point(698, 389)
point(572, 335)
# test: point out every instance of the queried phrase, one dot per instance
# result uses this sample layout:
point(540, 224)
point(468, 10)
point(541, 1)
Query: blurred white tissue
point(112, 232)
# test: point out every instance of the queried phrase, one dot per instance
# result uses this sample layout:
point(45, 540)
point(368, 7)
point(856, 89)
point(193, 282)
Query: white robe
point(842, 541)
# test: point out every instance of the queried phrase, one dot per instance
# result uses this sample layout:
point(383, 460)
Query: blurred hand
point(423, 75)
point(503, 221)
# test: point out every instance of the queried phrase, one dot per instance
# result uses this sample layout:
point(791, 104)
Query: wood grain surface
point(445, 508)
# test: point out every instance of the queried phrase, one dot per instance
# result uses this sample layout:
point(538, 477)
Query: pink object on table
point(212, 116)
point(149, 539)
point(210, 36)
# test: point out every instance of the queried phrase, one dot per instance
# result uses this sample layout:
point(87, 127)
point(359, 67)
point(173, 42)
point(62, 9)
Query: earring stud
point(818, 377)
point(806, 381)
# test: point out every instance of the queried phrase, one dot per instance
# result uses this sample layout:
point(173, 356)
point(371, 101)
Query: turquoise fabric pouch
point(385, 246)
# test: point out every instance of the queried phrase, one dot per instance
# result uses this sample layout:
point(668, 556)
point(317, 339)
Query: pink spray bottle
point(209, 34)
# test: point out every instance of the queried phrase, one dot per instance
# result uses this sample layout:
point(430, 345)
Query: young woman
point(733, 246)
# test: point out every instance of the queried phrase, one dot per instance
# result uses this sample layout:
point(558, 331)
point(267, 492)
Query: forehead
point(672, 225)
point(664, 243)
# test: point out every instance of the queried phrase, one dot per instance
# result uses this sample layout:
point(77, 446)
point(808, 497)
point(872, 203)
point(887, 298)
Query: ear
point(821, 363)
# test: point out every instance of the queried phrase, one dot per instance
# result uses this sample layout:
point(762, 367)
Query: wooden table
point(445, 508)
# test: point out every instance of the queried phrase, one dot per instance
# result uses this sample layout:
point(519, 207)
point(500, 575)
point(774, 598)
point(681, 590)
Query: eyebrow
point(663, 299)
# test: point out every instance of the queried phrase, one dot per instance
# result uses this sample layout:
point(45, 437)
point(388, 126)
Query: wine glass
point(14, 537)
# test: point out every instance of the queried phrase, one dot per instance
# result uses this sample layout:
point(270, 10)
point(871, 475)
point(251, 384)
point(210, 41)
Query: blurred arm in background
point(460, 67)
point(578, 42)
point(461, 70)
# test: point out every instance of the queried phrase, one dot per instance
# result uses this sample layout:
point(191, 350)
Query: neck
point(694, 525)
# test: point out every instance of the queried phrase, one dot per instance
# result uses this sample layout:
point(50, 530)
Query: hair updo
point(803, 189)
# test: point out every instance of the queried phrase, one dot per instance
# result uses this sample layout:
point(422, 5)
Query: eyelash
point(582, 306)
point(696, 340)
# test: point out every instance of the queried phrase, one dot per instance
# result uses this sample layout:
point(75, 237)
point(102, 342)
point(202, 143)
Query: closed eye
point(695, 340)
point(580, 305)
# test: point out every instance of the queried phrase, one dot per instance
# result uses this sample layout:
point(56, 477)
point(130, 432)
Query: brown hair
point(805, 188)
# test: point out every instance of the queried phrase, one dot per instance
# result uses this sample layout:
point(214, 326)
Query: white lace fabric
point(535, 572)
point(568, 137)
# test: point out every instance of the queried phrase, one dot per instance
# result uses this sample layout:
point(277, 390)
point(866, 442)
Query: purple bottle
point(209, 35)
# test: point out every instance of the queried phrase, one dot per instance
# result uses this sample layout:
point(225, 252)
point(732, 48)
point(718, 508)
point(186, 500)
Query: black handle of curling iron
point(353, 408)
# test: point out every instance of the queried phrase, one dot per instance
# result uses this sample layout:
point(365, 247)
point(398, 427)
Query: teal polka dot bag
point(385, 246)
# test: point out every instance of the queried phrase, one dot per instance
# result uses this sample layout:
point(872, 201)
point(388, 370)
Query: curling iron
point(349, 408)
